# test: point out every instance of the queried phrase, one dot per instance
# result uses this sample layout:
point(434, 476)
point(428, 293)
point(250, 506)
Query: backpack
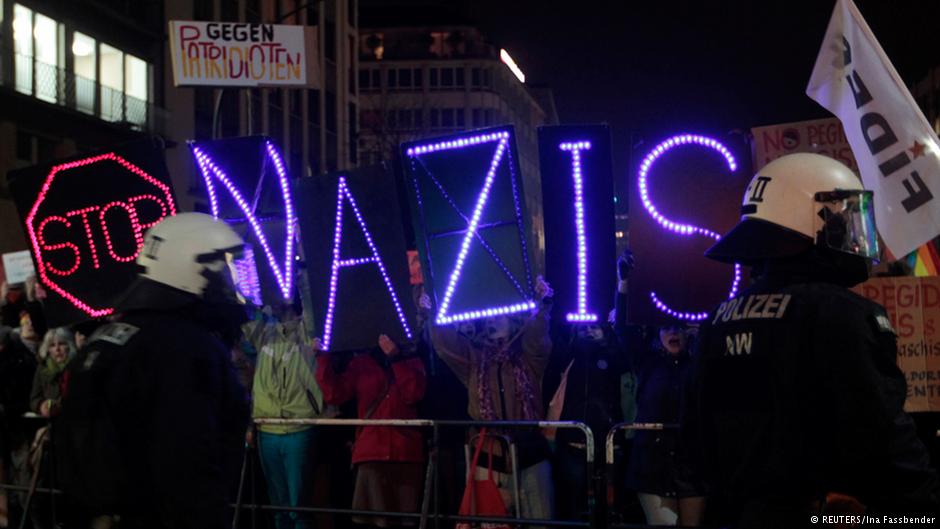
point(88, 455)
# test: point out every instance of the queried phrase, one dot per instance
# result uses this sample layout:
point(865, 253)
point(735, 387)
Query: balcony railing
point(50, 83)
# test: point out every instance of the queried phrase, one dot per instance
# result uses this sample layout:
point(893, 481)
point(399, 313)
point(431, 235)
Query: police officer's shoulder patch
point(884, 323)
point(115, 333)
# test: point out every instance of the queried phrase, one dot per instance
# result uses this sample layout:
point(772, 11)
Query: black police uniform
point(154, 421)
point(796, 393)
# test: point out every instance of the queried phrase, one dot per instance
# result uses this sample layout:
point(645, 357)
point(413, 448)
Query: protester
point(17, 367)
point(386, 385)
point(58, 347)
point(31, 319)
point(285, 387)
point(796, 406)
point(153, 425)
point(667, 494)
point(588, 391)
point(12, 303)
point(503, 376)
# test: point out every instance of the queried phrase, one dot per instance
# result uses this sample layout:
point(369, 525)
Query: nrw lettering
point(739, 345)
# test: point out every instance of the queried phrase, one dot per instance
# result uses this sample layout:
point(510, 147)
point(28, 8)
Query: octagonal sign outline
point(84, 162)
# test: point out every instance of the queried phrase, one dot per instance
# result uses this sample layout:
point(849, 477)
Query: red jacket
point(366, 381)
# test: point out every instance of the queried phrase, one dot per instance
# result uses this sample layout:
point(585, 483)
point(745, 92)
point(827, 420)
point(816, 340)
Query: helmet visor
point(243, 272)
point(845, 221)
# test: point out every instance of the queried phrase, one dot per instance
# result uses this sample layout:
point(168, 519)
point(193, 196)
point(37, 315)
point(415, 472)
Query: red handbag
point(481, 496)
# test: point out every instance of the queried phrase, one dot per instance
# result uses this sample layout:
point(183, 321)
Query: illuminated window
point(85, 53)
point(23, 47)
point(112, 83)
point(136, 89)
point(46, 37)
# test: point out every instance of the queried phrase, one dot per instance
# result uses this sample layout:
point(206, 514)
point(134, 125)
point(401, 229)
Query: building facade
point(316, 128)
point(87, 74)
point(417, 82)
point(74, 76)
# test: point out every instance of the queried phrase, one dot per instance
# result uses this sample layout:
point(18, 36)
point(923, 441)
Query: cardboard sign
point(241, 54)
point(470, 221)
point(18, 266)
point(913, 306)
point(820, 136)
point(580, 249)
point(356, 259)
point(85, 218)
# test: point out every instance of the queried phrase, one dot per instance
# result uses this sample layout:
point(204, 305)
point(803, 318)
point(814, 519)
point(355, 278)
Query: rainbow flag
point(925, 261)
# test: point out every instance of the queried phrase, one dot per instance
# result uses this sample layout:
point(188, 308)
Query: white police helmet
point(195, 253)
point(796, 201)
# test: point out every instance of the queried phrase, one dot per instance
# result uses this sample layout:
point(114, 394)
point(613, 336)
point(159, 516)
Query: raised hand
point(424, 302)
point(542, 290)
point(30, 287)
point(387, 345)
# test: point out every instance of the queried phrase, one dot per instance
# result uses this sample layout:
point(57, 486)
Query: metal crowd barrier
point(431, 474)
point(610, 456)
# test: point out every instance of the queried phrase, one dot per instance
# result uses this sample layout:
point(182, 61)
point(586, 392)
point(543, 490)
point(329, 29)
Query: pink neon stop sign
point(86, 227)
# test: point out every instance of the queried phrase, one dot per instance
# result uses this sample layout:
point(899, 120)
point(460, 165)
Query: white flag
point(896, 149)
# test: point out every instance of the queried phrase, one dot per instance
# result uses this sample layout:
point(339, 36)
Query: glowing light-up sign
point(343, 195)
point(356, 257)
point(85, 220)
point(575, 149)
point(580, 248)
point(437, 168)
point(213, 174)
point(684, 229)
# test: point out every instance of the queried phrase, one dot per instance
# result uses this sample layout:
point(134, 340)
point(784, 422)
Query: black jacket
point(796, 393)
point(177, 418)
point(593, 391)
point(17, 366)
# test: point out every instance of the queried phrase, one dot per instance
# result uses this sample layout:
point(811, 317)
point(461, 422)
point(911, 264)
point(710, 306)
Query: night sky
point(654, 67)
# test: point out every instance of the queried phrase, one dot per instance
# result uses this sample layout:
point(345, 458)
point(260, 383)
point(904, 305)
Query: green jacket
point(284, 385)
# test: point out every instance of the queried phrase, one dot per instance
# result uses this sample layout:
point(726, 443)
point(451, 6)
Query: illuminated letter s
point(677, 227)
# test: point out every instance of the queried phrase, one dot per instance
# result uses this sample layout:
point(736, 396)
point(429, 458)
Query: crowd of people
point(502, 363)
point(184, 367)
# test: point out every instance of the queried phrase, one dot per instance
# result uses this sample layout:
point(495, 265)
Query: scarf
point(525, 392)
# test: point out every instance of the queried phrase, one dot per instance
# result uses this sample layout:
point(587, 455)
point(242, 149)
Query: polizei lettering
point(753, 307)
point(882, 140)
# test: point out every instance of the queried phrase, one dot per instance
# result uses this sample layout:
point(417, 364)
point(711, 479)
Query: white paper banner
point(237, 54)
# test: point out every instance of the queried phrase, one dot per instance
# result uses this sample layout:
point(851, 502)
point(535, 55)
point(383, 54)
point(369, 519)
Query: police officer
point(153, 426)
point(795, 408)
